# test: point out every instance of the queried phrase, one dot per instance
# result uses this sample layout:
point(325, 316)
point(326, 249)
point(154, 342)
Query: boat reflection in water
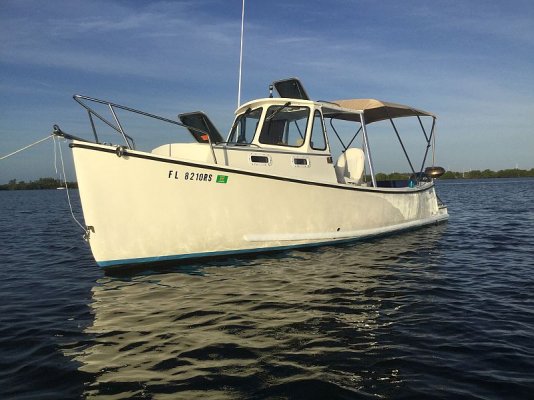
point(321, 322)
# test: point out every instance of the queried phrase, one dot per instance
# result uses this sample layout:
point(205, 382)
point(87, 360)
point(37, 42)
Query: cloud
point(146, 43)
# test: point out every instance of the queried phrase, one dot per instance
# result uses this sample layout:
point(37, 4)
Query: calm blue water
point(445, 312)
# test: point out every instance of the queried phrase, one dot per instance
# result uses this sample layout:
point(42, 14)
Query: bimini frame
point(367, 111)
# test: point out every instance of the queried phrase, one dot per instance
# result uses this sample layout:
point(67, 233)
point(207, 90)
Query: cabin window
point(245, 127)
point(318, 141)
point(285, 125)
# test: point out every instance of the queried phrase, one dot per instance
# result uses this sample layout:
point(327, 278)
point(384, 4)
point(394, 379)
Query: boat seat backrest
point(350, 165)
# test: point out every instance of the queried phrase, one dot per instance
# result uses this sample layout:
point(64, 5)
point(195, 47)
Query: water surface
point(444, 312)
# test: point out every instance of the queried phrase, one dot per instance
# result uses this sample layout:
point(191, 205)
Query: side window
point(285, 126)
point(318, 141)
point(245, 127)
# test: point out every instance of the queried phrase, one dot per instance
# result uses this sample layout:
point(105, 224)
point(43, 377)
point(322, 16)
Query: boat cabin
point(289, 137)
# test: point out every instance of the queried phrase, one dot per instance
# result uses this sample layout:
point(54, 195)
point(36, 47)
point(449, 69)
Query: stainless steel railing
point(117, 126)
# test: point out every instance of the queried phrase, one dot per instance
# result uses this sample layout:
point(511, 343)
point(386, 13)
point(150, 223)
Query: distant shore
point(41, 183)
point(473, 174)
point(52, 183)
point(477, 174)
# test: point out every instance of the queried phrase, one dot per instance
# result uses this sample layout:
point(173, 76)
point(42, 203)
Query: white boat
point(273, 184)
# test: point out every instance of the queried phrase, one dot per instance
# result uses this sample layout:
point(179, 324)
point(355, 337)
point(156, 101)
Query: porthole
point(257, 159)
point(301, 162)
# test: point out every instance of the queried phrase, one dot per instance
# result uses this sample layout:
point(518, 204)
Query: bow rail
point(118, 127)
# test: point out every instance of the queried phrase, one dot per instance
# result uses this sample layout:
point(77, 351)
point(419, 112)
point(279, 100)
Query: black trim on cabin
point(248, 173)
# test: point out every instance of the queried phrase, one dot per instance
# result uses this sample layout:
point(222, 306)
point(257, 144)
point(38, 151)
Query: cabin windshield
point(285, 125)
point(245, 127)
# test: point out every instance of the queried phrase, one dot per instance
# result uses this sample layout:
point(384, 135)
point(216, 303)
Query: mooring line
point(55, 153)
point(67, 189)
point(25, 147)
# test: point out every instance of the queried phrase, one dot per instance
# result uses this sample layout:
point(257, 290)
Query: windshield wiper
point(238, 120)
point(248, 111)
point(277, 111)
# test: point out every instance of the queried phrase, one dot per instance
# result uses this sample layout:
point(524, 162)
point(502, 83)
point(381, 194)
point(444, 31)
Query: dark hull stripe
point(248, 173)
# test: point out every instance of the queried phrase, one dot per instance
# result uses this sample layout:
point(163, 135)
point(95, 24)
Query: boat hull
point(145, 208)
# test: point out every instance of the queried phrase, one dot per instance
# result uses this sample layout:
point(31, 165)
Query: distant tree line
point(477, 174)
point(474, 174)
point(41, 183)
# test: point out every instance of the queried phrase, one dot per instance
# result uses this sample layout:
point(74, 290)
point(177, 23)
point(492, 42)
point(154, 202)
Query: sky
point(469, 62)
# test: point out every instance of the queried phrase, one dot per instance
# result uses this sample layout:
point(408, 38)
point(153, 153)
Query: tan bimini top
point(373, 110)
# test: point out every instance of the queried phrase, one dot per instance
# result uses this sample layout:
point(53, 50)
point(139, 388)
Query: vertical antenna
point(241, 54)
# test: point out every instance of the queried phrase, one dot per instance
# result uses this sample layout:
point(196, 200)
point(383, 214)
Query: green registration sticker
point(222, 178)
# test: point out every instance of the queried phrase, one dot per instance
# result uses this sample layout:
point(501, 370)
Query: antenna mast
point(241, 54)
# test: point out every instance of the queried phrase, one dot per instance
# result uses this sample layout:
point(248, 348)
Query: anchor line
point(86, 230)
point(55, 153)
point(25, 147)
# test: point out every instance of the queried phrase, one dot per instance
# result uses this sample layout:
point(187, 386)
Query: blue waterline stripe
point(133, 261)
point(145, 260)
